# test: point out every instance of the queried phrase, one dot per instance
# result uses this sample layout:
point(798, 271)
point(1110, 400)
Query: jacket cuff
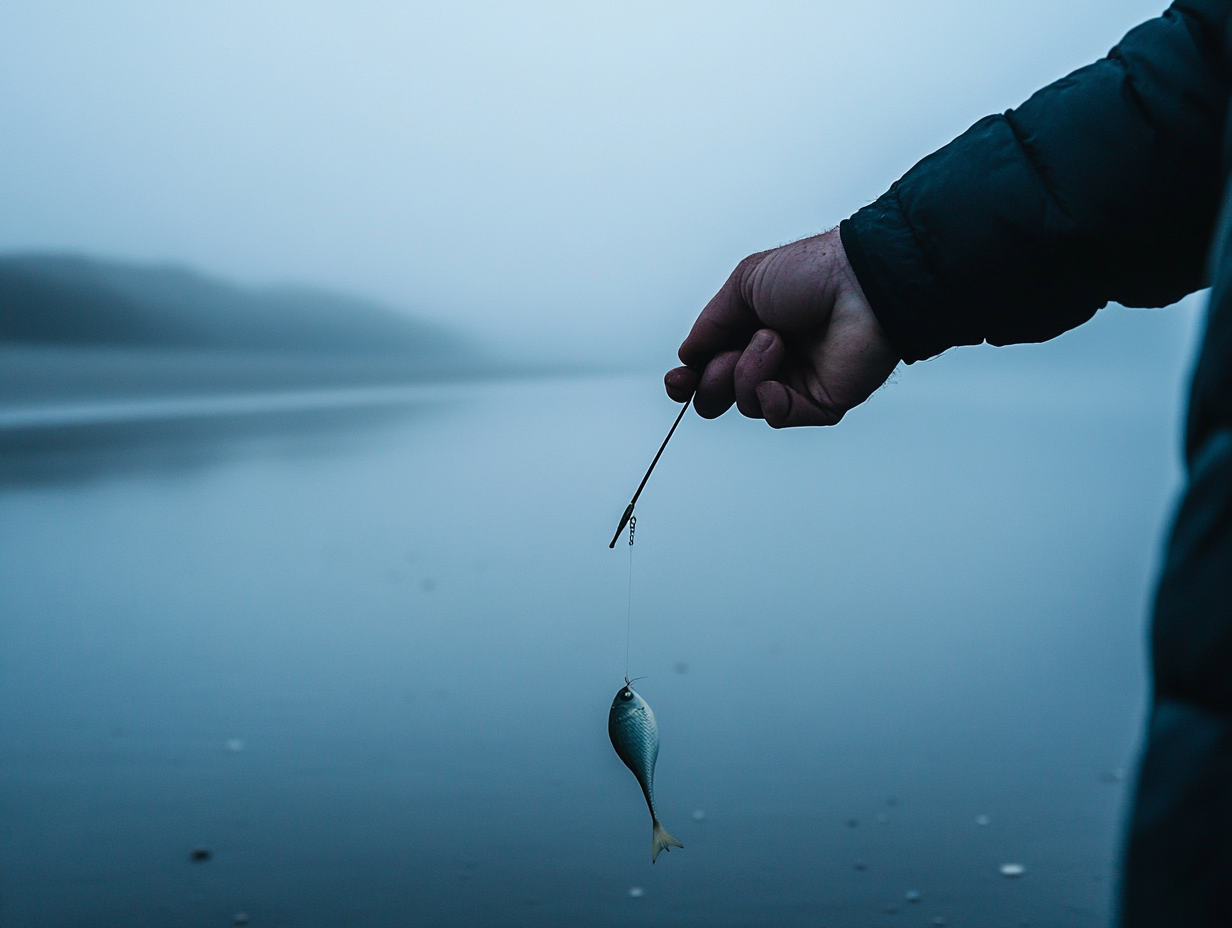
point(907, 298)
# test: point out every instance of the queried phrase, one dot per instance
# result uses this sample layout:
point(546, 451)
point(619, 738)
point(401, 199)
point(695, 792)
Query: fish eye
point(626, 694)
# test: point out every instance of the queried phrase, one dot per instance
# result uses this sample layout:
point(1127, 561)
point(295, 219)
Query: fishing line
point(629, 614)
point(629, 519)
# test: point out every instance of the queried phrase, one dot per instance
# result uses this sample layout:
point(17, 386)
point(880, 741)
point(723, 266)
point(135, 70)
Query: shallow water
point(366, 659)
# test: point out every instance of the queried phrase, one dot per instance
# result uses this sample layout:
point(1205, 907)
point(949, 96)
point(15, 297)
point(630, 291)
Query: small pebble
point(852, 822)
point(699, 814)
point(891, 909)
point(636, 892)
point(912, 895)
point(1114, 776)
point(199, 855)
point(1012, 870)
point(235, 745)
point(861, 866)
point(938, 920)
point(982, 820)
point(239, 918)
point(681, 667)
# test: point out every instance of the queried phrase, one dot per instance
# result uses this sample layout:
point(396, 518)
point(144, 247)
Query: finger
point(717, 390)
point(784, 407)
point(681, 383)
point(759, 362)
point(727, 321)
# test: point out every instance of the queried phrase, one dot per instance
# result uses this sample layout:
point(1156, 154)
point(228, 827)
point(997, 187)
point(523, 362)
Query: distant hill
point(68, 300)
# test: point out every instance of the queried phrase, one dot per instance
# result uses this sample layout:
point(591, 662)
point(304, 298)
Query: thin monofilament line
point(629, 613)
point(629, 599)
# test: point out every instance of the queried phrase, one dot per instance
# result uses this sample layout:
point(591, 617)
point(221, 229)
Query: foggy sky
point(557, 178)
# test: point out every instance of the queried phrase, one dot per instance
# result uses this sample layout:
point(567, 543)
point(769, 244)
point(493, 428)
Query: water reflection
point(117, 439)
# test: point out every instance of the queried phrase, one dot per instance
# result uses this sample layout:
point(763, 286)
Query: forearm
point(1103, 186)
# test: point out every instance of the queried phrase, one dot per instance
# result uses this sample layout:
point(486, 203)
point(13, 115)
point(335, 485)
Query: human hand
point(789, 338)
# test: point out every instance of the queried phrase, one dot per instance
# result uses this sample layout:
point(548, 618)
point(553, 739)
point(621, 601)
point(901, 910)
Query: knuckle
point(753, 271)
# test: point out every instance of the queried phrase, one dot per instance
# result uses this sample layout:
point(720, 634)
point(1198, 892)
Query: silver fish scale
point(635, 736)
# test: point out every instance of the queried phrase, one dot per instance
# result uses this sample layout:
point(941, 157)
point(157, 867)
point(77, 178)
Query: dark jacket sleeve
point(1103, 186)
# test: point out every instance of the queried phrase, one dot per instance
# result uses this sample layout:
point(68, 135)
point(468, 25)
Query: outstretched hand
point(790, 338)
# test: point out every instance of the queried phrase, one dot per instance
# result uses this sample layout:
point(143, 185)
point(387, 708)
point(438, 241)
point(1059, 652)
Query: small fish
point(635, 736)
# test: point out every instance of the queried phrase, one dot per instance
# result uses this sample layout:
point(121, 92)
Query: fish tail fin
point(661, 841)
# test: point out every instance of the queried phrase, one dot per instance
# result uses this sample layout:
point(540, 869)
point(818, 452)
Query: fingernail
point(761, 341)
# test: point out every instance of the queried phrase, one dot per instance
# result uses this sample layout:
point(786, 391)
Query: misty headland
point(80, 328)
